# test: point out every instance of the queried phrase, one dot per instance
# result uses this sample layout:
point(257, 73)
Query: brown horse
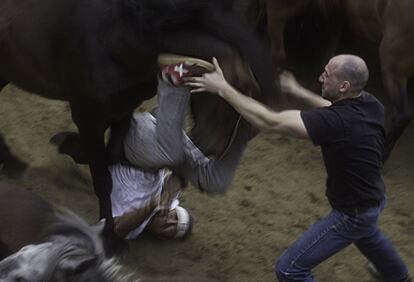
point(388, 24)
point(101, 56)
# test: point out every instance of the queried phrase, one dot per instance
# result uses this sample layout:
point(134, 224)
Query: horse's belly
point(33, 84)
point(31, 36)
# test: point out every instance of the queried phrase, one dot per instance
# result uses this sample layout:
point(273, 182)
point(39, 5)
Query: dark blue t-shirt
point(352, 136)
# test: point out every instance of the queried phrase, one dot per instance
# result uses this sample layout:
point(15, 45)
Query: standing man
point(348, 125)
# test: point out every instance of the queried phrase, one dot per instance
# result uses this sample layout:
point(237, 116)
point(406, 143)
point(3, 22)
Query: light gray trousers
point(160, 142)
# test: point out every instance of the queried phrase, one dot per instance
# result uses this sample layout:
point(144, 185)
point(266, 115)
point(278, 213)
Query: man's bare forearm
point(253, 111)
point(131, 220)
point(309, 98)
point(288, 122)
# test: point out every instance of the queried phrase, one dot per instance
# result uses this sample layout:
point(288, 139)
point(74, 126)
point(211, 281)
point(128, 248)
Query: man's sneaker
point(374, 271)
point(174, 68)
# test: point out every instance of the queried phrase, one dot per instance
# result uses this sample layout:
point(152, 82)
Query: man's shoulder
point(320, 111)
point(324, 125)
point(371, 98)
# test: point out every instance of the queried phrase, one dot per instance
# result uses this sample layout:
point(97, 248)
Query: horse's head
point(58, 261)
point(72, 251)
point(63, 248)
point(215, 121)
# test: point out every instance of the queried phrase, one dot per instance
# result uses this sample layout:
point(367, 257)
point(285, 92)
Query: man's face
point(329, 81)
point(164, 226)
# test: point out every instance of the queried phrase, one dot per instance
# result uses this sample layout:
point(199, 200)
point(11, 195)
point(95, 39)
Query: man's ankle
point(174, 68)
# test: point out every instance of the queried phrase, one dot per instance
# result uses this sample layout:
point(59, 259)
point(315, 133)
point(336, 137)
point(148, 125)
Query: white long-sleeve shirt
point(133, 188)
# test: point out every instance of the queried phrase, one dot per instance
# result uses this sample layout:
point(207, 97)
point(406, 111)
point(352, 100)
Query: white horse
point(40, 243)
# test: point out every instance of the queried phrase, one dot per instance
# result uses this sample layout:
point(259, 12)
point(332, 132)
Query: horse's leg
point(397, 65)
point(119, 130)
point(275, 28)
point(278, 13)
point(10, 165)
point(91, 127)
point(401, 115)
point(69, 143)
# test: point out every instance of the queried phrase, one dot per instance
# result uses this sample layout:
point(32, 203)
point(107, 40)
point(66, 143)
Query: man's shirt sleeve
point(323, 125)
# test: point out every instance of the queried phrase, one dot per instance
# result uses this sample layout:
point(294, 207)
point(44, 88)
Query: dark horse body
point(271, 18)
point(101, 56)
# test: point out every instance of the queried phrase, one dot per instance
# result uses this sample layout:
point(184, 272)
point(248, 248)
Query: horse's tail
point(164, 17)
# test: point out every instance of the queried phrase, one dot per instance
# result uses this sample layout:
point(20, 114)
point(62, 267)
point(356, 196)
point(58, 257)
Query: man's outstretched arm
point(291, 86)
point(286, 122)
point(129, 221)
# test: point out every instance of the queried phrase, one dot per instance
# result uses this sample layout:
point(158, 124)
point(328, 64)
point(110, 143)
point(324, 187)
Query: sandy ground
point(277, 193)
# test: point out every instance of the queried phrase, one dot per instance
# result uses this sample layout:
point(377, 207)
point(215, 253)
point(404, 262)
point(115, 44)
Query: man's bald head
point(353, 69)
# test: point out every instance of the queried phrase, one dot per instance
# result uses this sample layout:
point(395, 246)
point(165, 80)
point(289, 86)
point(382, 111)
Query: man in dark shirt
point(348, 125)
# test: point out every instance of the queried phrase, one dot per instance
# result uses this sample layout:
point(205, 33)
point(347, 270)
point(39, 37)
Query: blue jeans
point(332, 234)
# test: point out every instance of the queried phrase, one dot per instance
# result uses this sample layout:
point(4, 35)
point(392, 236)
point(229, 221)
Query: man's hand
point(171, 187)
point(289, 84)
point(213, 82)
point(131, 220)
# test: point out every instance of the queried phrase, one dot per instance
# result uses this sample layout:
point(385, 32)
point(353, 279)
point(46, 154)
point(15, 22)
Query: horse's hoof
point(14, 169)
point(62, 137)
point(69, 143)
point(374, 272)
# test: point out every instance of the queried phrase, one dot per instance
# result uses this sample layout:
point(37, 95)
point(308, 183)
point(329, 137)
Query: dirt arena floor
point(277, 193)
